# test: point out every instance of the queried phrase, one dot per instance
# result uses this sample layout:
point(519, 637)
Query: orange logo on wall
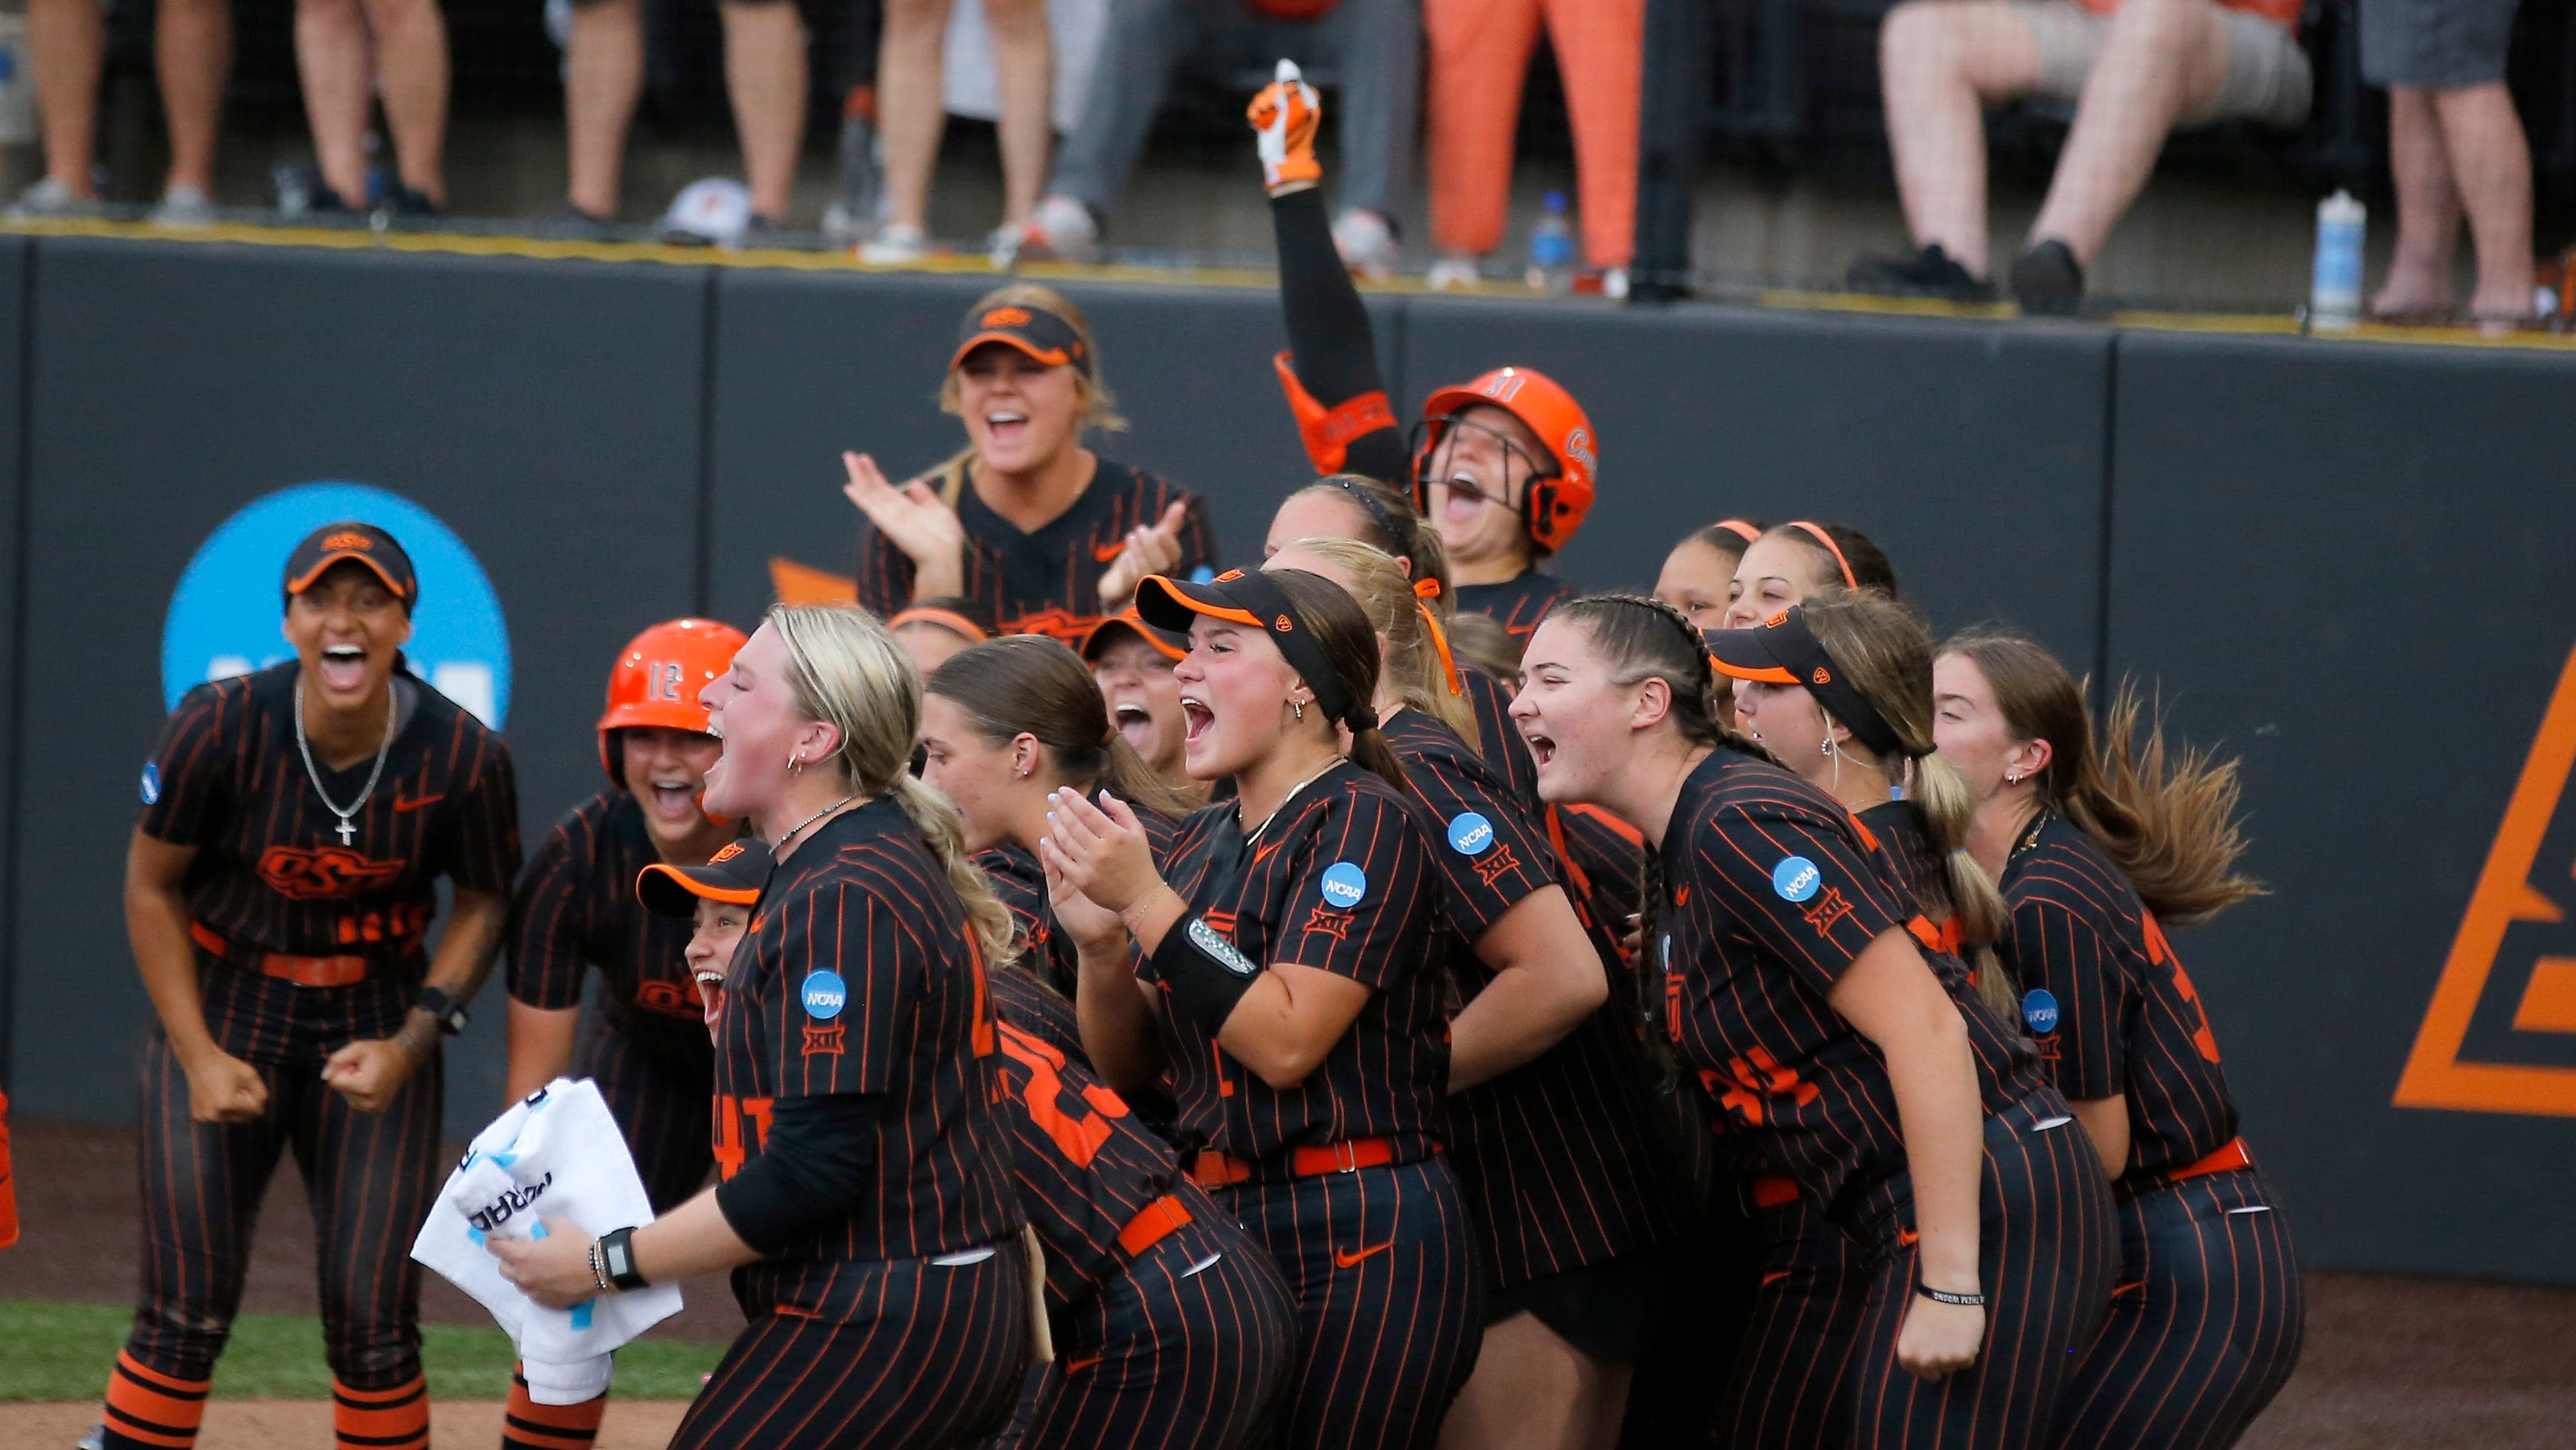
point(2507, 896)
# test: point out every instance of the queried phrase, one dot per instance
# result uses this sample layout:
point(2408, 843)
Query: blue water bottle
point(2334, 294)
point(1551, 249)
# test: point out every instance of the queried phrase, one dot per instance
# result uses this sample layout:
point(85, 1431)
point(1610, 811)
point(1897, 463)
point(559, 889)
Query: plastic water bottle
point(17, 83)
point(2334, 295)
point(1551, 249)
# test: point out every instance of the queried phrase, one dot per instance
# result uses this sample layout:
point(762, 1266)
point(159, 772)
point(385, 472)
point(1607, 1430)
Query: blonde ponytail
point(1941, 794)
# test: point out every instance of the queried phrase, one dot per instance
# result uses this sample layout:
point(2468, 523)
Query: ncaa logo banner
point(224, 616)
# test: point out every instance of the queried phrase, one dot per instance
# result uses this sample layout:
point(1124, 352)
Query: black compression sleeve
point(1206, 975)
point(1329, 337)
point(818, 1166)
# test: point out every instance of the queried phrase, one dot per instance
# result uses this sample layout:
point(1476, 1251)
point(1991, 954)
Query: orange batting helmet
point(657, 680)
point(1555, 504)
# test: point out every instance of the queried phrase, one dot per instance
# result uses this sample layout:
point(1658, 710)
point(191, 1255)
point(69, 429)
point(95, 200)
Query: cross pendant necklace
point(347, 828)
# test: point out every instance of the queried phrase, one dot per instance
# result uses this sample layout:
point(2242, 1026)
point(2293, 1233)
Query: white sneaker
point(1366, 242)
point(51, 199)
point(1452, 273)
point(895, 246)
point(1060, 230)
point(1614, 283)
point(184, 206)
point(1002, 247)
point(843, 227)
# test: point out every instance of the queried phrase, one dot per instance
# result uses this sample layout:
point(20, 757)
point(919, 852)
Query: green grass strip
point(52, 1351)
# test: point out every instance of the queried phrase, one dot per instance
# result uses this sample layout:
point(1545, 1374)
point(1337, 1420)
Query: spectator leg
point(411, 74)
point(2161, 60)
point(1601, 53)
point(66, 41)
point(1480, 54)
point(333, 58)
point(192, 52)
point(909, 115)
point(2428, 208)
point(765, 74)
point(1378, 46)
point(603, 80)
point(1532, 1389)
point(1940, 64)
point(2491, 166)
point(1146, 39)
point(1024, 72)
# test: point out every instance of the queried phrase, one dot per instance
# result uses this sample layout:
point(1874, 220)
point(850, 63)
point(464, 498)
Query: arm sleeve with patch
point(546, 928)
point(483, 852)
point(1485, 853)
point(1358, 882)
point(2057, 949)
point(842, 1009)
point(187, 785)
point(1798, 886)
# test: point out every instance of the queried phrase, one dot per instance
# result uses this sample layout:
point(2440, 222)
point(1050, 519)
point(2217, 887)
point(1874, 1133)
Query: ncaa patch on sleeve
point(825, 995)
point(2039, 1010)
point(1345, 885)
point(1796, 878)
point(151, 783)
point(1470, 834)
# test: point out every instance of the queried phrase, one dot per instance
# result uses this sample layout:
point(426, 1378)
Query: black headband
point(1256, 600)
point(1784, 651)
point(1402, 545)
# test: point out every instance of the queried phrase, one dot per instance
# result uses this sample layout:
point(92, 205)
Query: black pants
point(1388, 1317)
point(903, 1354)
point(2205, 1324)
point(370, 1178)
point(2046, 1256)
point(660, 1108)
point(1192, 1348)
point(1787, 1390)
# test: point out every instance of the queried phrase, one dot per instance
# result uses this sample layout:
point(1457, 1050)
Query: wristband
point(599, 1271)
point(617, 1256)
point(1944, 1296)
point(1204, 973)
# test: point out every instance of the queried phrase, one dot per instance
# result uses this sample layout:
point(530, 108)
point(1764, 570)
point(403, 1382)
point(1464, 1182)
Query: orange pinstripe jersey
point(576, 909)
point(1021, 883)
point(1518, 603)
point(2005, 1054)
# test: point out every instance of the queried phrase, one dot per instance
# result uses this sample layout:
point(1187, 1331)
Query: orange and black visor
point(1255, 601)
point(364, 543)
point(1126, 621)
point(1783, 651)
point(1042, 335)
point(734, 875)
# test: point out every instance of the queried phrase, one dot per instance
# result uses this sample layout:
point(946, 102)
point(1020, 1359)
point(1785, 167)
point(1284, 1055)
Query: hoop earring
point(1825, 746)
point(796, 763)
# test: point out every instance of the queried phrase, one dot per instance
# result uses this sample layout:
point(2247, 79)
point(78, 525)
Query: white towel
point(556, 1155)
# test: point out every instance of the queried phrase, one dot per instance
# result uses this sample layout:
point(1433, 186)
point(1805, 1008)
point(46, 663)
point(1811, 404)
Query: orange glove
point(1286, 113)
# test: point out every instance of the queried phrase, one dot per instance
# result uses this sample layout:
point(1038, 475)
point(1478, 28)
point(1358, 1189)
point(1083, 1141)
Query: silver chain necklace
point(348, 832)
point(781, 843)
point(1250, 836)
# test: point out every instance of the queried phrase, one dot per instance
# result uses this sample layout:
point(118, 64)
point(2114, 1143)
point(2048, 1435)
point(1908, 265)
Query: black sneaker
point(414, 205)
point(2047, 280)
point(568, 222)
point(1931, 272)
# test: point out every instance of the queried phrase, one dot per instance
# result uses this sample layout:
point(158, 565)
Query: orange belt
point(1221, 1170)
point(1152, 1224)
point(1774, 1189)
point(302, 971)
point(2231, 1156)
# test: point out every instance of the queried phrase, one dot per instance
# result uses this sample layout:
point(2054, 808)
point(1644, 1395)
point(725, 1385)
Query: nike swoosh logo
point(1344, 1258)
point(1263, 853)
point(403, 807)
point(1906, 1237)
point(1076, 1366)
point(1774, 1277)
point(1106, 552)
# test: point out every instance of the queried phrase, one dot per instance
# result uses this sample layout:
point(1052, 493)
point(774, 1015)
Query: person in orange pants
point(1480, 53)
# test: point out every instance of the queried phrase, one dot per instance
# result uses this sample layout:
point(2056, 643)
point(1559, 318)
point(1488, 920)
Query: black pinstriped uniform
point(1021, 883)
point(1186, 1342)
point(1379, 1258)
point(1557, 1157)
point(1518, 603)
point(1772, 898)
point(1046, 581)
point(1497, 739)
point(646, 1045)
point(2208, 1315)
point(860, 1334)
point(271, 876)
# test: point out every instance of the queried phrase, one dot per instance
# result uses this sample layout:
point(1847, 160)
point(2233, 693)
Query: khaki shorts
point(2267, 73)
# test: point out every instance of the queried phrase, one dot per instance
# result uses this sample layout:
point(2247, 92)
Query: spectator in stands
point(192, 50)
point(1374, 46)
point(1480, 54)
point(2454, 144)
point(2135, 69)
point(350, 52)
point(764, 55)
point(911, 116)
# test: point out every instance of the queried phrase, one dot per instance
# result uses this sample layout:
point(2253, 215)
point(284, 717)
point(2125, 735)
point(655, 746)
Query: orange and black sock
point(394, 1419)
point(532, 1426)
point(146, 1408)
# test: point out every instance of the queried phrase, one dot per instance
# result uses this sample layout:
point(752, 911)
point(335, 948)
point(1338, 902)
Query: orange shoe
point(1286, 113)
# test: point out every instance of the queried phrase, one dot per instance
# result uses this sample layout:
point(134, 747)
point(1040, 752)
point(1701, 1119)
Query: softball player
point(1132, 663)
point(1809, 1018)
point(1700, 571)
point(930, 630)
point(865, 1205)
point(2096, 845)
point(1789, 561)
point(278, 887)
point(1502, 465)
point(1043, 532)
point(1289, 990)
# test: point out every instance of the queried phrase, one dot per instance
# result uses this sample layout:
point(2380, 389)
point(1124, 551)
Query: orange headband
point(1747, 532)
point(1831, 547)
point(1425, 590)
point(947, 619)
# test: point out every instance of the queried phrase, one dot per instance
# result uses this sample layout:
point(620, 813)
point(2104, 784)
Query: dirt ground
point(2391, 1363)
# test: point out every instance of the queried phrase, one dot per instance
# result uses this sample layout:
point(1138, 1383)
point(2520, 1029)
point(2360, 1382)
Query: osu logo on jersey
point(323, 873)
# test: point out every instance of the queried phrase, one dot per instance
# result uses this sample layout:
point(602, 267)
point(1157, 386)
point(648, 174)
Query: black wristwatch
point(449, 1012)
point(617, 1256)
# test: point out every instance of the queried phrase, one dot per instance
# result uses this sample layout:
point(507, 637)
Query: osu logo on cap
point(1007, 317)
point(731, 850)
point(348, 541)
point(1776, 620)
point(1823, 676)
point(1284, 625)
point(1229, 575)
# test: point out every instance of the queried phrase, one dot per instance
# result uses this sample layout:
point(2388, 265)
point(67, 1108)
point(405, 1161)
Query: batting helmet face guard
point(657, 680)
point(1561, 485)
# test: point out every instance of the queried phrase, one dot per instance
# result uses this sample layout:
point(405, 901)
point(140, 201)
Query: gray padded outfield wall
point(2344, 561)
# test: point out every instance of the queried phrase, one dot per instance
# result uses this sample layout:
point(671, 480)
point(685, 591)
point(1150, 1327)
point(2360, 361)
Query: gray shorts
point(2440, 45)
point(2267, 73)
